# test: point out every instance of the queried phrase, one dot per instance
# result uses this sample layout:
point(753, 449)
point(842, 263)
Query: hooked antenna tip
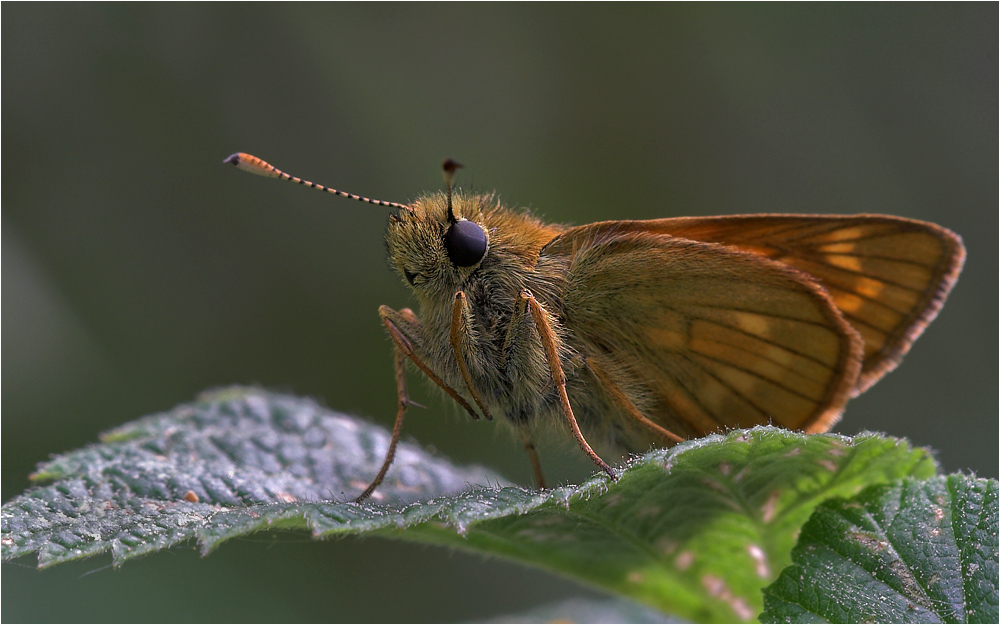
point(450, 166)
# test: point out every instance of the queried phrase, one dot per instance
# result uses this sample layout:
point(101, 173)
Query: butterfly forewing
point(889, 276)
point(707, 337)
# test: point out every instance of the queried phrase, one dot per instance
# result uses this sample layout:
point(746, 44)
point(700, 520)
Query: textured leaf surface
point(911, 552)
point(216, 465)
point(695, 531)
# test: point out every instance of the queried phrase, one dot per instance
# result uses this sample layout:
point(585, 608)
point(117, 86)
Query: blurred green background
point(138, 270)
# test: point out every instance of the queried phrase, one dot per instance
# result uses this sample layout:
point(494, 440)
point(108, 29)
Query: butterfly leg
point(461, 338)
point(536, 465)
point(404, 349)
point(521, 344)
point(626, 404)
point(402, 404)
point(405, 318)
point(549, 342)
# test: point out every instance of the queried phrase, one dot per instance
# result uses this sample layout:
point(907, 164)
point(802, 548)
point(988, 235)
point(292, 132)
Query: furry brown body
point(502, 348)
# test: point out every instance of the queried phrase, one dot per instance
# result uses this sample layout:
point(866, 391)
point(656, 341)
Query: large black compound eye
point(465, 242)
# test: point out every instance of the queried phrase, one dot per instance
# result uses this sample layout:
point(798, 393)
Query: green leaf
point(695, 531)
point(579, 610)
point(910, 552)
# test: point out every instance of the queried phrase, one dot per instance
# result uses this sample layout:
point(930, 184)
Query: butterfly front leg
point(405, 330)
point(402, 404)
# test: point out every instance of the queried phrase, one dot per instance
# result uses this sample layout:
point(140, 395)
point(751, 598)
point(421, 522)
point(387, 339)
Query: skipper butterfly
point(640, 333)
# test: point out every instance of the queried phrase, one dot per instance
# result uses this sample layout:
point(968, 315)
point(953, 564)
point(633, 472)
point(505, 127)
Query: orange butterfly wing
point(889, 276)
point(703, 337)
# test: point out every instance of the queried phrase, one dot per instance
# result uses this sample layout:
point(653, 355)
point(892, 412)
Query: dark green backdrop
point(138, 270)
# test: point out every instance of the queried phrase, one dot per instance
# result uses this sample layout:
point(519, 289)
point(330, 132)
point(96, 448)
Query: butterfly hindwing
point(704, 336)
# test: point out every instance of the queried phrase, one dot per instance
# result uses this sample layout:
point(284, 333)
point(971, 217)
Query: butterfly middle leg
point(551, 346)
point(522, 345)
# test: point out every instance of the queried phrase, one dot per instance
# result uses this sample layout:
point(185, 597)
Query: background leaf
point(579, 610)
point(696, 530)
point(915, 551)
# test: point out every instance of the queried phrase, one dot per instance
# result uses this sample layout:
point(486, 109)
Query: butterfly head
point(439, 242)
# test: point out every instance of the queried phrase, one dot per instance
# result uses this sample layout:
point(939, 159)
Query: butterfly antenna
point(450, 167)
point(254, 165)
